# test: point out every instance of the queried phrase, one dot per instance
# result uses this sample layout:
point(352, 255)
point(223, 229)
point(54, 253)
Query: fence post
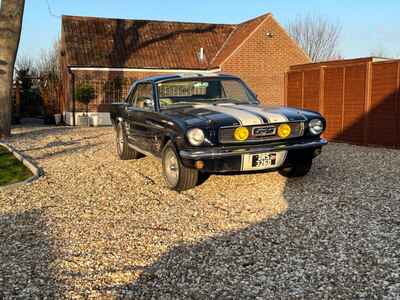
point(322, 90)
point(343, 99)
point(17, 100)
point(285, 103)
point(397, 103)
point(368, 95)
point(302, 89)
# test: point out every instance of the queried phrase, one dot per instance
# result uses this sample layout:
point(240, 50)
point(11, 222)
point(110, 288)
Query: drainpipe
point(73, 96)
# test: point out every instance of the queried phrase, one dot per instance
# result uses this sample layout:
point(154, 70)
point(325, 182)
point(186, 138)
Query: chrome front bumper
point(220, 152)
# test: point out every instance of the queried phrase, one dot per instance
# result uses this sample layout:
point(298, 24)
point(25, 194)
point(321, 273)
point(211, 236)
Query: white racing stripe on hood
point(245, 118)
point(271, 117)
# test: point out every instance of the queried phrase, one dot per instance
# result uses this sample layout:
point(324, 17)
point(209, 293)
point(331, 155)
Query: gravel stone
point(97, 227)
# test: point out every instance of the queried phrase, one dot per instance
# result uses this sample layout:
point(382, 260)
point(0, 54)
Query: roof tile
point(102, 42)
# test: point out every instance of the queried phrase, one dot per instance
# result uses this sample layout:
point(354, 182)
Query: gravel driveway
point(97, 227)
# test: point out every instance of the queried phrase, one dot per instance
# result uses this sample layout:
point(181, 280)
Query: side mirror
point(125, 105)
point(148, 103)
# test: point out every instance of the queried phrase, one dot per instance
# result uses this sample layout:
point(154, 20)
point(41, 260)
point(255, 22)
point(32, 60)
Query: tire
point(300, 169)
point(123, 149)
point(177, 176)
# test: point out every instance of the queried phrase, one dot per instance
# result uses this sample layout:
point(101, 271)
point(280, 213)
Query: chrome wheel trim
point(120, 140)
point(171, 167)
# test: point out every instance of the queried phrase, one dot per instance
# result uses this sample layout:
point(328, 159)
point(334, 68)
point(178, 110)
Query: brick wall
point(262, 61)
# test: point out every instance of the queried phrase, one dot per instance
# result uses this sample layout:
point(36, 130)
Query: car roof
point(161, 78)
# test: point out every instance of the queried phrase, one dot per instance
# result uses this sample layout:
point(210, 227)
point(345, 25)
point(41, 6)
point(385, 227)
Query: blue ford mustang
point(199, 123)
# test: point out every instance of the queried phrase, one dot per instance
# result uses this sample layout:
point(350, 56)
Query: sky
point(368, 26)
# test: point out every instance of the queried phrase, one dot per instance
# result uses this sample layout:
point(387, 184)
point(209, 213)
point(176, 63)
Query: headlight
point(195, 136)
point(316, 126)
point(284, 131)
point(241, 134)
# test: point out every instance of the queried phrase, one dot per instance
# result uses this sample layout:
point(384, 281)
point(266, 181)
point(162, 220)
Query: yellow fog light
point(241, 134)
point(284, 131)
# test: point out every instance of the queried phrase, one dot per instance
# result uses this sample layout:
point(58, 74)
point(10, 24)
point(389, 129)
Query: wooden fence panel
point(311, 90)
point(361, 102)
point(383, 116)
point(333, 101)
point(294, 89)
point(354, 106)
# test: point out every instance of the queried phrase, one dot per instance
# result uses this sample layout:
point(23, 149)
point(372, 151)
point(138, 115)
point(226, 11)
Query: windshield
point(203, 91)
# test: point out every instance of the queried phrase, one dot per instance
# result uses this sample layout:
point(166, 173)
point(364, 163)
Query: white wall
point(96, 118)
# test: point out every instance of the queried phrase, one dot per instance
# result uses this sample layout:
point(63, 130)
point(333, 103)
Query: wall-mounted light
point(269, 35)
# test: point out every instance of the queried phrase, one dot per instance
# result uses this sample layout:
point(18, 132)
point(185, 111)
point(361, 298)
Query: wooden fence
point(360, 100)
point(43, 100)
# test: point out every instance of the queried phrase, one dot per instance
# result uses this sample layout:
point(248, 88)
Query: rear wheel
point(177, 176)
point(299, 169)
point(123, 149)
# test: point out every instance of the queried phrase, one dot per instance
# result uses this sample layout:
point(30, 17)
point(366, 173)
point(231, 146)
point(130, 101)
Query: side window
point(144, 96)
point(234, 90)
point(132, 96)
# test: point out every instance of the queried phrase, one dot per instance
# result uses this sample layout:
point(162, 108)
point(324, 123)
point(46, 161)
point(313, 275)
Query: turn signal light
point(284, 131)
point(199, 164)
point(241, 134)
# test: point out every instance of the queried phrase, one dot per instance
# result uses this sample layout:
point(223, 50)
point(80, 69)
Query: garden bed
point(11, 169)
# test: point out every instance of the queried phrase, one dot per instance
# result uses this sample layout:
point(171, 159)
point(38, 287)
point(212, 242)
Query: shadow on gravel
point(37, 132)
point(61, 143)
point(26, 255)
point(57, 133)
point(67, 151)
point(340, 238)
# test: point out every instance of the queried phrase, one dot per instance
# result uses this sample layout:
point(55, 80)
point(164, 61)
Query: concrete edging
point(36, 170)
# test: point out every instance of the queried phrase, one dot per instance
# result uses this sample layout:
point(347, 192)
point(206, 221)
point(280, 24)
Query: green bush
point(84, 94)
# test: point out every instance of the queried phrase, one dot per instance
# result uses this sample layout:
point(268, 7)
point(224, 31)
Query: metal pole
point(73, 97)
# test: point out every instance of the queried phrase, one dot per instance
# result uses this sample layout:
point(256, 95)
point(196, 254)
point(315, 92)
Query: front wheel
point(177, 176)
point(123, 149)
point(299, 169)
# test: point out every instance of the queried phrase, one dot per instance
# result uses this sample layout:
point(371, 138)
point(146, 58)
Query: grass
point(11, 169)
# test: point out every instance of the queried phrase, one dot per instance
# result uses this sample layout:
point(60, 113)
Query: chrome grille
point(270, 134)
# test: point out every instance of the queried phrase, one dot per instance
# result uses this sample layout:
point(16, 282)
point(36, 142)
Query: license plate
point(263, 161)
point(263, 131)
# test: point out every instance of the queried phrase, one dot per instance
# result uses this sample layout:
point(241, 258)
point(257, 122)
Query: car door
point(129, 116)
point(140, 132)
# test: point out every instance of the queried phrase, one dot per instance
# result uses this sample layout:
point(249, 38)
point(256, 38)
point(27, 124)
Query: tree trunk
point(11, 14)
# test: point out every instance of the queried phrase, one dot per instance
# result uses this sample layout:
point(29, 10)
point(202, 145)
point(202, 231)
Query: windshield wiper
point(182, 103)
point(227, 100)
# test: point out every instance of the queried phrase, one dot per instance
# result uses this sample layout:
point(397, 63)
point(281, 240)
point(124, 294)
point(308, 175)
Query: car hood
point(233, 114)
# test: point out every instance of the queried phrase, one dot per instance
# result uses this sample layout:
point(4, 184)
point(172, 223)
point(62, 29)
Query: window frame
point(132, 97)
point(252, 96)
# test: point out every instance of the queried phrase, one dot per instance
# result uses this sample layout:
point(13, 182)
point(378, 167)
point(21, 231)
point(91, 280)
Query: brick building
point(109, 54)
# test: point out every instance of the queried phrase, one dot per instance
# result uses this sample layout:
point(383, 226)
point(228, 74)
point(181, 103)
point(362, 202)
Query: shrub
point(84, 94)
